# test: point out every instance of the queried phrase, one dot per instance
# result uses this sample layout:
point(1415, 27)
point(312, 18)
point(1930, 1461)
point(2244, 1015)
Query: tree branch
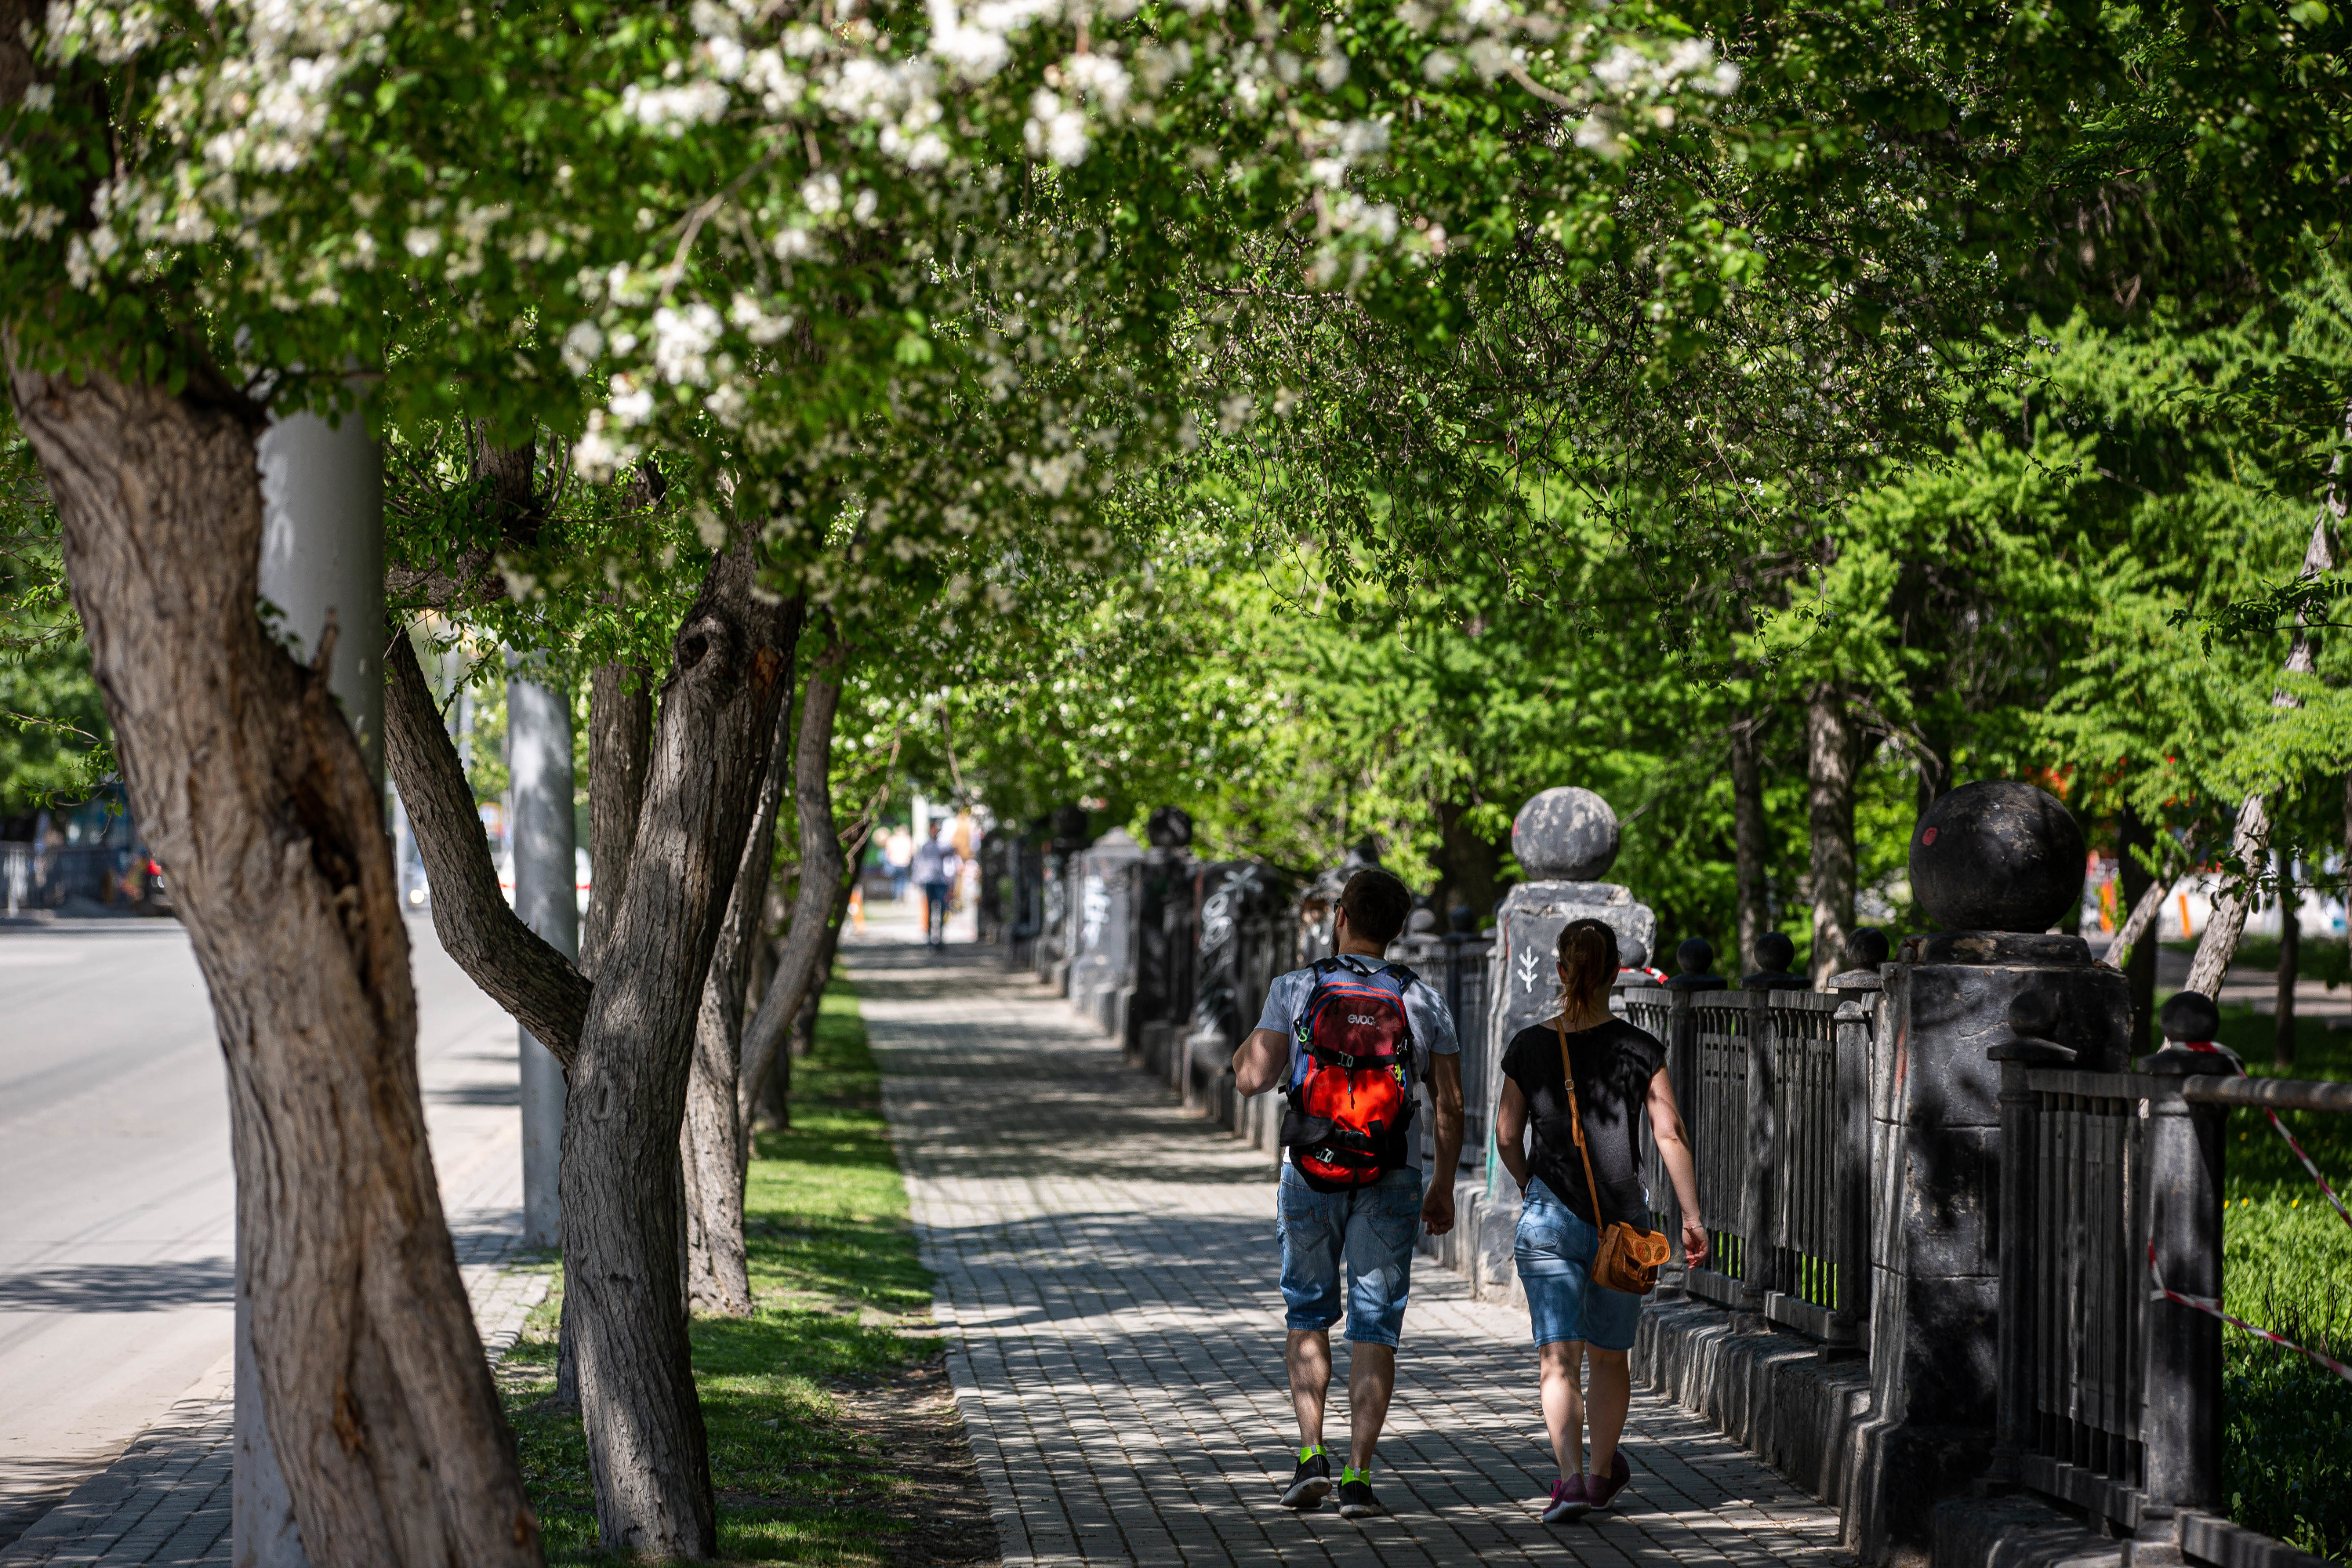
point(499, 954)
point(820, 875)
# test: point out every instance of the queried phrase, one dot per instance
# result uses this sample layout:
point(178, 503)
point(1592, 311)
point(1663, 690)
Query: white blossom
point(630, 404)
point(582, 344)
point(821, 192)
point(682, 342)
point(673, 110)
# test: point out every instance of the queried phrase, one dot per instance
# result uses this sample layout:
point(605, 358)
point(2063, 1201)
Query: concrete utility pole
point(540, 834)
point(321, 555)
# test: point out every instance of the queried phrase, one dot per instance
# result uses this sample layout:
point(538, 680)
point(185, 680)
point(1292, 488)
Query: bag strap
point(1576, 1117)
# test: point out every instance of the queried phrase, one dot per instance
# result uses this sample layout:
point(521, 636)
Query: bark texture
point(1829, 773)
point(250, 786)
point(623, 1200)
point(2290, 960)
point(522, 972)
point(805, 942)
point(1748, 842)
point(711, 1143)
point(620, 731)
point(2139, 966)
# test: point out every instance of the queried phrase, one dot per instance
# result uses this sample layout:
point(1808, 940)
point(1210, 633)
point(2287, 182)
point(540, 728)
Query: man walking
point(936, 867)
point(1351, 1040)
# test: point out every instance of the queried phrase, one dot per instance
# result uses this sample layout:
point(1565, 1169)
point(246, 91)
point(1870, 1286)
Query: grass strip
point(2286, 1264)
point(842, 1306)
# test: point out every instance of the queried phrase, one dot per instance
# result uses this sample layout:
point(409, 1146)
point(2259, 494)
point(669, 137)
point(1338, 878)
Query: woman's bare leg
point(1612, 1392)
point(1563, 1403)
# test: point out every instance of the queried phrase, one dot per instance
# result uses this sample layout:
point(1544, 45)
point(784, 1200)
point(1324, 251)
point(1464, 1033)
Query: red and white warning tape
point(2207, 1304)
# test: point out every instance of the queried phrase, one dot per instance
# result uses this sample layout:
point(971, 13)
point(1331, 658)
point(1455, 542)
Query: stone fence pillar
point(1161, 988)
point(1105, 881)
point(1565, 838)
point(1994, 864)
point(1056, 945)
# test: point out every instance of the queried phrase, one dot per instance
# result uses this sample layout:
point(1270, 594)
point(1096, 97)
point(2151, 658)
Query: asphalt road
point(115, 1193)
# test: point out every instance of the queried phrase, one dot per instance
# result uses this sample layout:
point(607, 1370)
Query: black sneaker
point(1310, 1483)
point(1356, 1498)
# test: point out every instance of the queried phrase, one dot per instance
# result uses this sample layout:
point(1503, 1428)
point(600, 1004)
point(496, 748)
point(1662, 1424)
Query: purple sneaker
point(1568, 1501)
point(1602, 1493)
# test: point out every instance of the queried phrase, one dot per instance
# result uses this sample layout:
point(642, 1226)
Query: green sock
point(1352, 1474)
point(1310, 1451)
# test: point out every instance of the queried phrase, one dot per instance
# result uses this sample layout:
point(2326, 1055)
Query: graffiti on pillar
point(1530, 965)
point(1094, 909)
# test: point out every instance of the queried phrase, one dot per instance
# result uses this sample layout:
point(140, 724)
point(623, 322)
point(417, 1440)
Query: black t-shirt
point(1614, 1063)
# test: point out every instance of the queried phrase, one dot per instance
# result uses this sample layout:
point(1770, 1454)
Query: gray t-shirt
point(1433, 1028)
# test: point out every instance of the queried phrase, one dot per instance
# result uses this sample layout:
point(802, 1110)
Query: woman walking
point(1609, 1072)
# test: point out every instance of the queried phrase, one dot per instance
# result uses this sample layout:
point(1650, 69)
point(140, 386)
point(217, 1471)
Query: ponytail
point(1588, 952)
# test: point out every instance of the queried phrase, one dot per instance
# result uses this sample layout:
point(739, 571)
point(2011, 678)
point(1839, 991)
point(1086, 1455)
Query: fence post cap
point(1856, 980)
point(2189, 1015)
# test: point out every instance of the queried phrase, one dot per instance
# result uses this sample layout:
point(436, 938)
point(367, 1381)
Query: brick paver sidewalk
point(1106, 1277)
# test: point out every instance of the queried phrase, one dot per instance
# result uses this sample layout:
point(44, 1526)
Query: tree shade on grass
point(2288, 1266)
point(842, 1307)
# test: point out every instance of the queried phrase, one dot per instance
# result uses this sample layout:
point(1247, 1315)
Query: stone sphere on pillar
point(1565, 835)
point(1997, 855)
point(1171, 827)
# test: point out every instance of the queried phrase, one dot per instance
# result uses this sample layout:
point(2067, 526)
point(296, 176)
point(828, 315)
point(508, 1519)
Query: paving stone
point(1106, 1277)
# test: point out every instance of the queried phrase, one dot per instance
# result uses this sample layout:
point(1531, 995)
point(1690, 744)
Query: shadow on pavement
point(121, 1287)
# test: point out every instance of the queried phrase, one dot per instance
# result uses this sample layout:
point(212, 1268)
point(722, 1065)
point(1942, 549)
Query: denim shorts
point(1555, 1250)
point(1372, 1228)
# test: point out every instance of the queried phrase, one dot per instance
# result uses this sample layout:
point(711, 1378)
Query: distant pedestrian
point(1351, 1039)
point(936, 868)
point(898, 855)
point(1579, 1080)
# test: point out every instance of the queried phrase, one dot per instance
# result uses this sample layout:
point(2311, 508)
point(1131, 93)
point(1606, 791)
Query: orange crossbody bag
point(1629, 1255)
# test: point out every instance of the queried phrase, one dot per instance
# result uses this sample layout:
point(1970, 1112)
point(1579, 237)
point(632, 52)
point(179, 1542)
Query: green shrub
point(2286, 1265)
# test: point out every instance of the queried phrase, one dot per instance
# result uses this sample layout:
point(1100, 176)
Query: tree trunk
point(718, 1273)
point(2290, 962)
point(2139, 966)
point(620, 726)
point(1468, 867)
point(620, 736)
point(820, 875)
point(1829, 771)
point(248, 786)
point(731, 664)
point(1748, 844)
point(804, 1025)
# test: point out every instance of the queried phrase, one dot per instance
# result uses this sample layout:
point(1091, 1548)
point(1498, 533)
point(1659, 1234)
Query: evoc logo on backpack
point(1352, 1086)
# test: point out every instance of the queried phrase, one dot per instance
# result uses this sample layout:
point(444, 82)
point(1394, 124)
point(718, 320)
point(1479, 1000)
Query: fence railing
point(1454, 966)
point(1774, 1093)
point(1717, 1121)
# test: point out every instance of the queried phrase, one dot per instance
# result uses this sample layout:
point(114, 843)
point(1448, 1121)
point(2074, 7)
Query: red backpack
point(1350, 1094)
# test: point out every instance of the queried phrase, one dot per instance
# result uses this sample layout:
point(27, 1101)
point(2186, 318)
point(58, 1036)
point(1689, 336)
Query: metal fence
point(1454, 966)
point(1805, 1229)
point(2087, 1301)
point(1717, 1121)
point(1773, 1090)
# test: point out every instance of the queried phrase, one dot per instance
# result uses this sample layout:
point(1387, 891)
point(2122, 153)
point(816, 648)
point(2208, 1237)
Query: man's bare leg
point(1307, 1357)
point(1372, 1383)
